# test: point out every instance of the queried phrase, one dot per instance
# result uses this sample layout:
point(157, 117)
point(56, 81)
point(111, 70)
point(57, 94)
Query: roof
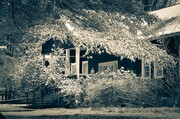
point(170, 21)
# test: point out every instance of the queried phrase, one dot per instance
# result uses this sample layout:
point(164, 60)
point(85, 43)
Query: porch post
point(43, 60)
point(67, 66)
point(77, 61)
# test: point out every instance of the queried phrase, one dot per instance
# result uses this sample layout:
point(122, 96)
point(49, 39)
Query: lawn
point(18, 112)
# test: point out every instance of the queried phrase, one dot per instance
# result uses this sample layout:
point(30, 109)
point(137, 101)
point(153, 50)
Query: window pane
point(146, 71)
point(73, 68)
point(159, 71)
point(108, 66)
point(85, 68)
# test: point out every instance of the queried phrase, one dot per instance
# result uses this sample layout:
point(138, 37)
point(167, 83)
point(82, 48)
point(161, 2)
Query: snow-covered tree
point(7, 83)
point(119, 27)
point(90, 24)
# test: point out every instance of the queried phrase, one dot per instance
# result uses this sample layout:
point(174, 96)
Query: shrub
point(171, 86)
point(121, 89)
point(71, 91)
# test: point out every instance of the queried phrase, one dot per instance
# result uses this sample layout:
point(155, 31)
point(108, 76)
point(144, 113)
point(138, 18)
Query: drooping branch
point(13, 15)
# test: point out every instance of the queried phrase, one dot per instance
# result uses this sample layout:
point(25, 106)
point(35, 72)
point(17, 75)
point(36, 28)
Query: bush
point(121, 89)
point(71, 91)
point(171, 87)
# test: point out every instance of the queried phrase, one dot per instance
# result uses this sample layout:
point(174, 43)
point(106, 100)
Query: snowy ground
point(16, 112)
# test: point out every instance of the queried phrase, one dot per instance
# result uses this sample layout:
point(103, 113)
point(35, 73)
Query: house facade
point(168, 31)
point(80, 65)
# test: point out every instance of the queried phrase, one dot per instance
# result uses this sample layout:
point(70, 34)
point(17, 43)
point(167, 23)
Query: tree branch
point(13, 15)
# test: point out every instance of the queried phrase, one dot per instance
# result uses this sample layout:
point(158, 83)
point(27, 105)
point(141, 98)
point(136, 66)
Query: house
point(168, 31)
point(78, 64)
point(101, 53)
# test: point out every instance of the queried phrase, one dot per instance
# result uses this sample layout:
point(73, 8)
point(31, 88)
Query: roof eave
point(163, 36)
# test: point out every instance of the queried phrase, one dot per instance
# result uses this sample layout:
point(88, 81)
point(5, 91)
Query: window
point(85, 67)
point(73, 68)
point(146, 70)
point(108, 66)
point(158, 71)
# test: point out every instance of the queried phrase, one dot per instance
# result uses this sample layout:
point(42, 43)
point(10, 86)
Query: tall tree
point(119, 27)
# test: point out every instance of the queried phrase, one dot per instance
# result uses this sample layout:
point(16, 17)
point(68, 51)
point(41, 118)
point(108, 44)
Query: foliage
point(171, 82)
point(171, 86)
point(119, 33)
point(122, 89)
point(32, 73)
point(119, 27)
point(71, 91)
point(7, 84)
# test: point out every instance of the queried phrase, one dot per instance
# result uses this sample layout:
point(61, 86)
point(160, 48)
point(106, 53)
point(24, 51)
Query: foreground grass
point(15, 112)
